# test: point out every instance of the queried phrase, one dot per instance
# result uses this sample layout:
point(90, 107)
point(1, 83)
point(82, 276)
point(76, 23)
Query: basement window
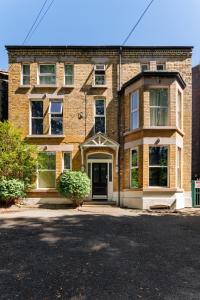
point(99, 74)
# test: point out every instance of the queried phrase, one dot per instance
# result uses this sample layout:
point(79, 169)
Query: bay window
point(56, 117)
point(158, 166)
point(100, 118)
point(179, 110)
point(69, 74)
point(134, 110)
point(134, 167)
point(158, 107)
point(47, 170)
point(47, 74)
point(37, 117)
point(25, 74)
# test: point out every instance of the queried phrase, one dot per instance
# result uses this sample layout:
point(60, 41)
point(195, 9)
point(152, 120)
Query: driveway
point(99, 253)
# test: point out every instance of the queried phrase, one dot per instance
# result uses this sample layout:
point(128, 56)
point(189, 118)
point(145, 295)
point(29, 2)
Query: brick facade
point(78, 106)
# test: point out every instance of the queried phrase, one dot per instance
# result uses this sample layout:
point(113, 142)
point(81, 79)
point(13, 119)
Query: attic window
point(100, 74)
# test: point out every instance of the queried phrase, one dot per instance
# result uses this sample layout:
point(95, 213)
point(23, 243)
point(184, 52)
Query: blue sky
point(95, 22)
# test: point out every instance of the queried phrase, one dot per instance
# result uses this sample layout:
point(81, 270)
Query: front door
point(99, 180)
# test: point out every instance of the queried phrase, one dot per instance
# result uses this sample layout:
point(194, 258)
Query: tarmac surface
point(99, 253)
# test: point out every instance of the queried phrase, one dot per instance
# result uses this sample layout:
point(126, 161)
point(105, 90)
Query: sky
point(101, 22)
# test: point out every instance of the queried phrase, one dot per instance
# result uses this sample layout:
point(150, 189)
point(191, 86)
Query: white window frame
point(57, 113)
point(46, 74)
point(135, 167)
point(135, 110)
point(46, 170)
point(168, 164)
point(168, 102)
point(30, 114)
point(100, 115)
point(145, 64)
point(179, 92)
point(179, 167)
point(66, 84)
point(99, 69)
point(63, 165)
point(23, 75)
point(160, 64)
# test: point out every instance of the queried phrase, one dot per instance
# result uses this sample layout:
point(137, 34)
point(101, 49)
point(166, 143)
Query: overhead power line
point(44, 14)
point(139, 20)
point(36, 19)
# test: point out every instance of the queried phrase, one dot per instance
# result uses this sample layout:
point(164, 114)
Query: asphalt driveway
point(98, 254)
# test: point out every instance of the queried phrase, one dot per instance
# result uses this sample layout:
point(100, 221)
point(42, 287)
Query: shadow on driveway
point(87, 256)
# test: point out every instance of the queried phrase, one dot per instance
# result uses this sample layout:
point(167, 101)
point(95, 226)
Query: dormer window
point(99, 74)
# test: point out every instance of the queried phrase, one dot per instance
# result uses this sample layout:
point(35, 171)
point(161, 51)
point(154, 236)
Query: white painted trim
point(22, 73)
point(179, 90)
point(46, 170)
point(152, 140)
point(46, 74)
point(94, 110)
point(73, 73)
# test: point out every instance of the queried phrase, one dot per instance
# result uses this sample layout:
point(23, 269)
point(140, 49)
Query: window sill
point(100, 86)
point(39, 190)
point(155, 128)
point(53, 86)
point(162, 189)
point(68, 86)
point(48, 136)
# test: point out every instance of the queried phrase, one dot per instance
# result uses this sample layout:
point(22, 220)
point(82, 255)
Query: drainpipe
point(119, 127)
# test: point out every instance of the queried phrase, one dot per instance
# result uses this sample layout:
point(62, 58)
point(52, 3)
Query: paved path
point(99, 253)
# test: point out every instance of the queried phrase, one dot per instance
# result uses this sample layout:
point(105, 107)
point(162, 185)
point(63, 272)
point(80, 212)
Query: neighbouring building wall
point(3, 96)
point(196, 122)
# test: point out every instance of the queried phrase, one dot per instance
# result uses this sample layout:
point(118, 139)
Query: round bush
point(11, 189)
point(74, 185)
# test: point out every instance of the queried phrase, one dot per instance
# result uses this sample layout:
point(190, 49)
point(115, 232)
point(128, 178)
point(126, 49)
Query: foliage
point(74, 185)
point(11, 189)
point(18, 159)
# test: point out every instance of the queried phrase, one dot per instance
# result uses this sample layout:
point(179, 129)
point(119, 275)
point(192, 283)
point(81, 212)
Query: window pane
point(134, 101)
point(47, 161)
point(69, 80)
point(158, 176)
point(56, 125)
point(158, 116)
point(46, 179)
point(37, 108)
point(47, 69)
point(26, 80)
point(99, 124)
point(26, 69)
point(100, 79)
point(160, 67)
point(69, 70)
point(134, 120)
point(158, 97)
point(47, 79)
point(158, 156)
point(134, 158)
point(179, 110)
point(67, 161)
point(179, 167)
point(99, 107)
point(110, 172)
point(144, 68)
point(37, 126)
point(56, 107)
point(134, 177)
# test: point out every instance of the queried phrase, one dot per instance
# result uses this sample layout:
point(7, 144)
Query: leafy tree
point(74, 185)
point(18, 159)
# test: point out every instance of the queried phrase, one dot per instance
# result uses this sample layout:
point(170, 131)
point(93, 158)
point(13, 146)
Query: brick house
point(121, 114)
point(3, 95)
point(196, 122)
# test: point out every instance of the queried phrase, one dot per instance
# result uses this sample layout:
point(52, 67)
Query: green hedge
point(11, 189)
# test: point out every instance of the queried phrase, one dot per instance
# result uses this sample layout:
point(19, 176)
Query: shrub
point(74, 185)
point(11, 190)
point(18, 159)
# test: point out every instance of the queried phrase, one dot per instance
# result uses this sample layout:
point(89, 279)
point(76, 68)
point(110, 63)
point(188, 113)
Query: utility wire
point(44, 14)
point(36, 19)
point(134, 27)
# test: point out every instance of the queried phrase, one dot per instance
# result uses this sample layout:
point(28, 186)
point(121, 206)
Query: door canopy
point(99, 140)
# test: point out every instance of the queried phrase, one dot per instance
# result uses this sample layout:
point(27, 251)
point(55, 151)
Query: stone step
point(99, 203)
